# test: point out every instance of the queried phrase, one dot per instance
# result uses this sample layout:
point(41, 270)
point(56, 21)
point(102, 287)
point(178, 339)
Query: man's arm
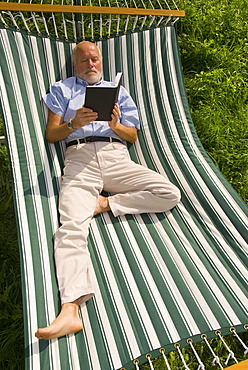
point(126, 133)
point(56, 130)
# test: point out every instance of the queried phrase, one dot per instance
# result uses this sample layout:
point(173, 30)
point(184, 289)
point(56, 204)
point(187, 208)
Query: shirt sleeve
point(56, 100)
point(128, 109)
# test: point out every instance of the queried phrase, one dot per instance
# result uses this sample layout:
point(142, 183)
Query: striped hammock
point(163, 281)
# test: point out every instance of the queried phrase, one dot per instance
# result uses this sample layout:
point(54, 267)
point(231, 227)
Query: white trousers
point(90, 168)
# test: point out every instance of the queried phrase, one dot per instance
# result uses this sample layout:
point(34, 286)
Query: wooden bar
point(24, 7)
point(240, 366)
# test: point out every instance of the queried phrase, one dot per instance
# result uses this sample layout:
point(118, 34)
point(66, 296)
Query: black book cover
point(101, 99)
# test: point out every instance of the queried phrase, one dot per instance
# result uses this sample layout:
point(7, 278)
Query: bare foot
point(102, 205)
point(68, 322)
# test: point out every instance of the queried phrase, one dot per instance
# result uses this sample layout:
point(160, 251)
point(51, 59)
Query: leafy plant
point(11, 317)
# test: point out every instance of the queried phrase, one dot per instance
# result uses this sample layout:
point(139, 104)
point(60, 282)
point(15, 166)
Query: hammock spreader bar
point(99, 20)
point(53, 8)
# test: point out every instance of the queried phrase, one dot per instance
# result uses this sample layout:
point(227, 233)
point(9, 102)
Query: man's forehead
point(88, 49)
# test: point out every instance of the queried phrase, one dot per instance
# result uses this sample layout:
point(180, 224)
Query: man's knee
point(176, 194)
point(169, 196)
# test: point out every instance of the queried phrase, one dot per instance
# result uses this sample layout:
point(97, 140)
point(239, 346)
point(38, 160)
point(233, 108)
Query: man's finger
point(86, 110)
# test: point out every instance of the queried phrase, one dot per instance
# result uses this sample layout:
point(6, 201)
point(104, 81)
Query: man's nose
point(90, 63)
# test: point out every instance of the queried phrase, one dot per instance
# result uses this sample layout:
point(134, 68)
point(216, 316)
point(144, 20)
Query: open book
point(101, 99)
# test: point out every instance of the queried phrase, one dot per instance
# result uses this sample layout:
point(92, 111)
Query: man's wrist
point(70, 125)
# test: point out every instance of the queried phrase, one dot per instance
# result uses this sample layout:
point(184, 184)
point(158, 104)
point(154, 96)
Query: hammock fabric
point(160, 278)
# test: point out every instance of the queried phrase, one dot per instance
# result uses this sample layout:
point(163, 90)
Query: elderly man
point(100, 162)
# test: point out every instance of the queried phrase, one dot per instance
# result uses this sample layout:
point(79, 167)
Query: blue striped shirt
point(66, 96)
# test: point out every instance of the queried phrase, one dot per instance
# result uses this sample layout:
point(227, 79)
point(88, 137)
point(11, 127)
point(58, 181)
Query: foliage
point(11, 318)
point(213, 43)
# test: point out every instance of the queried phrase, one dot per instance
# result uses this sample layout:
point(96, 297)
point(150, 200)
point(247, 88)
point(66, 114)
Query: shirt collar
point(84, 83)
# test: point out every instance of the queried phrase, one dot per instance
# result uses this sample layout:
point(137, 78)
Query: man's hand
point(56, 130)
point(126, 133)
point(115, 115)
point(83, 117)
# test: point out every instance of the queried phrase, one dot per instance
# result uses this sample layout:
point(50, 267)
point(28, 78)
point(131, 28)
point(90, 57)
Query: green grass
point(213, 43)
point(11, 321)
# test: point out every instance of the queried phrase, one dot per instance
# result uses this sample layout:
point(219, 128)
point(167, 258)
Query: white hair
point(74, 51)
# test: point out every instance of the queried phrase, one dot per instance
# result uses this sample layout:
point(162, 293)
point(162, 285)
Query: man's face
point(88, 63)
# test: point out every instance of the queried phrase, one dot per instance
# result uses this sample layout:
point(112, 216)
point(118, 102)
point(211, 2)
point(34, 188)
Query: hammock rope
point(230, 352)
point(148, 356)
point(177, 346)
point(233, 330)
point(92, 21)
point(136, 363)
point(162, 351)
point(201, 365)
point(216, 359)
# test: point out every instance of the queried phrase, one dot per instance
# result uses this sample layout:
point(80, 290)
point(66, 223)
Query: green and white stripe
point(160, 278)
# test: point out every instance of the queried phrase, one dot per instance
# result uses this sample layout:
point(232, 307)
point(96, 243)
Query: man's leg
point(136, 189)
point(77, 202)
point(73, 268)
